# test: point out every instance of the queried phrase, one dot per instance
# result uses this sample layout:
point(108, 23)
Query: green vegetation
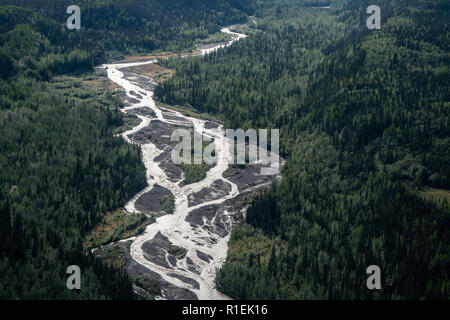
point(364, 119)
point(216, 38)
point(178, 252)
point(130, 121)
point(61, 167)
point(110, 28)
point(231, 171)
point(152, 70)
point(112, 255)
point(248, 29)
point(116, 225)
point(195, 172)
point(168, 204)
point(439, 196)
point(57, 152)
point(151, 287)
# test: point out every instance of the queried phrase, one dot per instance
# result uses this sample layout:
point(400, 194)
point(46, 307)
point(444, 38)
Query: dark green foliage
point(264, 213)
point(61, 168)
point(37, 57)
point(168, 203)
point(178, 252)
point(364, 119)
point(6, 66)
point(151, 287)
point(125, 26)
point(194, 172)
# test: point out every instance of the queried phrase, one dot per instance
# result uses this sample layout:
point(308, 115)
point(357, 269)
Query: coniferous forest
point(365, 132)
point(62, 168)
point(364, 120)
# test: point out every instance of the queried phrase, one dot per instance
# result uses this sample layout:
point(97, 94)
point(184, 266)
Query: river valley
point(204, 212)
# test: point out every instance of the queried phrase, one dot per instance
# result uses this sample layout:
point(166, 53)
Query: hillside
point(364, 119)
point(62, 168)
point(364, 122)
point(113, 27)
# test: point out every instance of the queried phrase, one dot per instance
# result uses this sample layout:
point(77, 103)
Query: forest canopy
point(364, 119)
point(364, 122)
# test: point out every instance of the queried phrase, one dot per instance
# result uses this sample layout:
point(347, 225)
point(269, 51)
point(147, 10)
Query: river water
point(204, 214)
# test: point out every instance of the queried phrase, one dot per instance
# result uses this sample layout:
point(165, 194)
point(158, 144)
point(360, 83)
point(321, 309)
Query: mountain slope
point(364, 119)
point(127, 26)
point(62, 168)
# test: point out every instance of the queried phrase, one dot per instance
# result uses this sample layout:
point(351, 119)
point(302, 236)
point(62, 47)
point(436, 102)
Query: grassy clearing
point(116, 225)
point(144, 288)
point(112, 255)
point(154, 71)
point(155, 55)
point(100, 80)
point(98, 83)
